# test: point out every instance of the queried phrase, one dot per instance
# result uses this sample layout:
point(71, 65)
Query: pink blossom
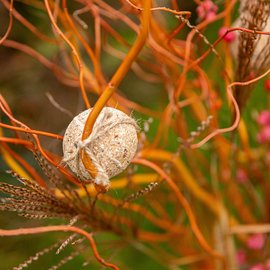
point(264, 135)
point(229, 37)
point(264, 118)
point(241, 257)
point(241, 176)
point(207, 10)
point(210, 15)
point(267, 264)
point(258, 266)
point(256, 241)
point(200, 11)
point(209, 5)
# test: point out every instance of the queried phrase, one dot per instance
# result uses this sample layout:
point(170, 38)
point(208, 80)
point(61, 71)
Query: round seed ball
point(111, 145)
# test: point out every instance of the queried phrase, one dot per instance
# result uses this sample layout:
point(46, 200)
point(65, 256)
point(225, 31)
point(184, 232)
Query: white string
point(103, 124)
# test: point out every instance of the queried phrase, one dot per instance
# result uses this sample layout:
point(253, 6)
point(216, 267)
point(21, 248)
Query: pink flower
point(258, 266)
point(256, 241)
point(264, 135)
point(241, 257)
point(267, 264)
point(209, 5)
point(241, 176)
point(264, 118)
point(207, 10)
point(210, 15)
point(229, 37)
point(200, 11)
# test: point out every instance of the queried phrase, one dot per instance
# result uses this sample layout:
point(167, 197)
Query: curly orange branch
point(185, 204)
point(74, 51)
point(63, 228)
point(9, 24)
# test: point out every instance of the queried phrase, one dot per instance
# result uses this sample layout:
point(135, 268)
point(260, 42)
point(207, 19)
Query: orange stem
point(184, 203)
point(9, 24)
point(63, 228)
point(28, 167)
point(115, 81)
point(121, 71)
point(85, 98)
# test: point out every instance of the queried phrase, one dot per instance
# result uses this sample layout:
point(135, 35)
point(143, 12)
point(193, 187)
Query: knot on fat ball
point(111, 146)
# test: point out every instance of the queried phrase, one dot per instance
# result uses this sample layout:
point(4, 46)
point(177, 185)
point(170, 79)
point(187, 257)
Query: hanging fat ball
point(111, 146)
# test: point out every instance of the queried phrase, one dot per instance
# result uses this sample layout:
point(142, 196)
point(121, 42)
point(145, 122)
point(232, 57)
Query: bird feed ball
point(111, 146)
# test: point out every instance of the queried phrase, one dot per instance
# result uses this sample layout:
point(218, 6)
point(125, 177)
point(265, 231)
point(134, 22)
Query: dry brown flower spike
point(252, 51)
point(111, 145)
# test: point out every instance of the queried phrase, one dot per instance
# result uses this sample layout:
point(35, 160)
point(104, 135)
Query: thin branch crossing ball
point(111, 145)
